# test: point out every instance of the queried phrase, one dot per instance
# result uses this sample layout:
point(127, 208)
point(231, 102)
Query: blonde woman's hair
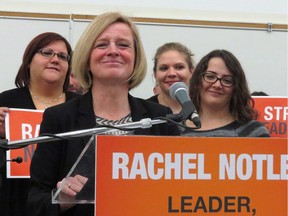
point(83, 49)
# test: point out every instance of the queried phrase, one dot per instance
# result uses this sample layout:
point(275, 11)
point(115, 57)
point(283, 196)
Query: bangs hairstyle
point(23, 76)
point(83, 49)
point(241, 104)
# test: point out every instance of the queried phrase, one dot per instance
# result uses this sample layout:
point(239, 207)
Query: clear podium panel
point(84, 168)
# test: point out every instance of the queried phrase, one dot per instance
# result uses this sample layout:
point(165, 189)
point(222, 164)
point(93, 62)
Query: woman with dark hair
point(43, 77)
point(42, 81)
point(220, 92)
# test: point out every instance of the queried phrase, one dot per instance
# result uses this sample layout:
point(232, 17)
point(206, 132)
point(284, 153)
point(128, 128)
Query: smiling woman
point(173, 62)
point(220, 92)
point(42, 81)
point(43, 77)
point(113, 57)
point(109, 61)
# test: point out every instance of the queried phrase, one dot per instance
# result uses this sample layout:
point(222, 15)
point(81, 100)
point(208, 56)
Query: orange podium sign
point(149, 175)
point(21, 124)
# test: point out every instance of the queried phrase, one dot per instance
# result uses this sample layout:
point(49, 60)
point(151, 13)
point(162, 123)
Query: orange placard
point(144, 176)
point(273, 112)
point(21, 124)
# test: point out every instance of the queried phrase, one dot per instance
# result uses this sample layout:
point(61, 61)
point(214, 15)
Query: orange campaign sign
point(21, 124)
point(273, 112)
point(149, 175)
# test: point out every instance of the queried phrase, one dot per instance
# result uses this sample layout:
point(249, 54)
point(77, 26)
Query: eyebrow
point(217, 74)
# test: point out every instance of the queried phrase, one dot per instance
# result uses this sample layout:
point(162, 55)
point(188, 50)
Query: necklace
point(45, 103)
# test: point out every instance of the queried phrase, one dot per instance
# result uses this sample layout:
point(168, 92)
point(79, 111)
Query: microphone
point(179, 91)
point(17, 160)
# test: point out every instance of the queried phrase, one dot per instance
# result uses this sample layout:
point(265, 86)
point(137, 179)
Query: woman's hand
point(3, 112)
point(73, 185)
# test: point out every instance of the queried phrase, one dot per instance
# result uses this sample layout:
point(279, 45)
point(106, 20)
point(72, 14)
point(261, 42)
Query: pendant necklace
point(45, 103)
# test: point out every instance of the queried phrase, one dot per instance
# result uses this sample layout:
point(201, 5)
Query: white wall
point(263, 54)
point(225, 10)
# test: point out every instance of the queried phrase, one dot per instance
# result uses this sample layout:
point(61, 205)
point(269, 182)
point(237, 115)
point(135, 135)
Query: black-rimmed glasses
point(225, 80)
point(50, 54)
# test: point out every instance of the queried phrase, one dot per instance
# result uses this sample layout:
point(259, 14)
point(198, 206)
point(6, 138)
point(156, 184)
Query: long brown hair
point(242, 104)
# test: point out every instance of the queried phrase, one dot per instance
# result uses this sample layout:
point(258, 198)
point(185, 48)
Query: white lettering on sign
point(244, 166)
point(159, 166)
point(27, 131)
point(276, 113)
point(191, 166)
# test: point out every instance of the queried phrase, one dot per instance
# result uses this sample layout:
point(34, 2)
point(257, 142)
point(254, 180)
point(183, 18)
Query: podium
point(84, 166)
point(149, 175)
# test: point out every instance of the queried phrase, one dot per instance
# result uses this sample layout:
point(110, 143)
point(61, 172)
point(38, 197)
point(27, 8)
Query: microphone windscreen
point(179, 91)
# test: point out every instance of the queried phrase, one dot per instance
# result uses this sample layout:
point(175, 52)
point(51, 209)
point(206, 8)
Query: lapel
point(138, 112)
point(86, 117)
point(85, 114)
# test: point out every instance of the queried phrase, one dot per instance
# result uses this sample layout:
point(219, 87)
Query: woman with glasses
point(219, 90)
point(42, 81)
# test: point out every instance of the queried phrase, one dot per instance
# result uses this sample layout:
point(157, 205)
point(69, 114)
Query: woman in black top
point(173, 62)
point(42, 81)
point(109, 61)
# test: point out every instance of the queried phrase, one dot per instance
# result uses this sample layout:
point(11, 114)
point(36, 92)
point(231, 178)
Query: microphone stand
point(143, 123)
